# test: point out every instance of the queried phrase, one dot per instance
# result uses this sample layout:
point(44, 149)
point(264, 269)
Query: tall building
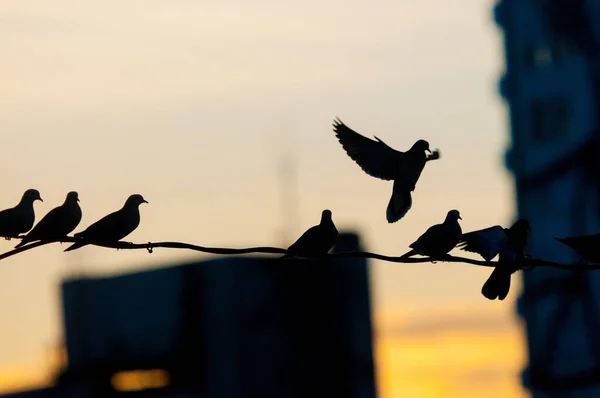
point(232, 327)
point(551, 88)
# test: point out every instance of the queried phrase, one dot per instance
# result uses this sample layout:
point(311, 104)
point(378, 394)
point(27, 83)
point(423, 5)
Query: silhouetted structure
point(229, 327)
point(552, 87)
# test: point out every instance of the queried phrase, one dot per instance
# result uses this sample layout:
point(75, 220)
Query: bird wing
point(588, 246)
point(6, 217)
point(46, 225)
point(486, 242)
point(430, 238)
point(107, 228)
point(309, 239)
point(579, 242)
point(376, 158)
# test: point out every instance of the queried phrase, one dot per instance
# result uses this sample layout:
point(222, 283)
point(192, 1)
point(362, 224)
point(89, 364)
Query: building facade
point(551, 88)
point(231, 327)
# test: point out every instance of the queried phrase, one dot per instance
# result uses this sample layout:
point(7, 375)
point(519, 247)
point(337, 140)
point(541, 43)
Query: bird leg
point(526, 263)
point(442, 258)
point(149, 248)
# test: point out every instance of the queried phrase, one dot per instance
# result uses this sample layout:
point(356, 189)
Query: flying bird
point(439, 239)
point(509, 244)
point(58, 223)
point(317, 240)
point(19, 219)
point(379, 160)
point(587, 246)
point(113, 227)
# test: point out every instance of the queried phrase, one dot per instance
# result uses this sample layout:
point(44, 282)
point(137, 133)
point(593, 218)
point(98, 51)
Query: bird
point(19, 219)
point(317, 240)
point(113, 227)
point(587, 246)
point(439, 239)
point(509, 244)
point(379, 160)
point(58, 223)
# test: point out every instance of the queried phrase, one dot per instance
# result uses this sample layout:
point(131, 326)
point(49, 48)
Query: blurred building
point(229, 327)
point(551, 87)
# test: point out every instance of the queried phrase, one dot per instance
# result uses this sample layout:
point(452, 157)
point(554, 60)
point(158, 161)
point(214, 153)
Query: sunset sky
point(192, 104)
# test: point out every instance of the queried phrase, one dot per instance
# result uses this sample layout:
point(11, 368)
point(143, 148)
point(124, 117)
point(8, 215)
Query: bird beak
point(428, 150)
point(78, 199)
point(459, 217)
point(144, 201)
point(40, 198)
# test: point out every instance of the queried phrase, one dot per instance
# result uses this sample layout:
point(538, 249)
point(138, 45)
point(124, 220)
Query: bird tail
point(567, 241)
point(74, 246)
point(408, 254)
point(399, 205)
point(497, 285)
point(23, 242)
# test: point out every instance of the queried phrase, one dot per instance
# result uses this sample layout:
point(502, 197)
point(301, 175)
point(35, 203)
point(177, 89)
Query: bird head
point(453, 215)
point(135, 200)
point(326, 215)
point(72, 197)
point(31, 195)
point(421, 146)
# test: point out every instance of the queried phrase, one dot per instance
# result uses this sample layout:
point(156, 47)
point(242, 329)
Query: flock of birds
point(62, 220)
point(374, 157)
point(379, 160)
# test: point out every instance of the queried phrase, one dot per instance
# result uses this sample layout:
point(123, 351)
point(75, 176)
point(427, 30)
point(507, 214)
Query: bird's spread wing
point(486, 242)
point(376, 158)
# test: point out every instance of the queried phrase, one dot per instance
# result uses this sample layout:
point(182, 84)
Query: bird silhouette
point(113, 227)
point(379, 160)
point(439, 239)
point(509, 244)
point(587, 246)
point(58, 223)
point(19, 219)
point(317, 240)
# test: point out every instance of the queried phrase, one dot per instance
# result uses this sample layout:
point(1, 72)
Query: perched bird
point(439, 239)
point(587, 246)
point(379, 160)
point(58, 223)
point(317, 240)
point(509, 244)
point(19, 219)
point(113, 227)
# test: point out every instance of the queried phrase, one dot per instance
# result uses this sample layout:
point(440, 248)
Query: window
point(544, 55)
point(549, 119)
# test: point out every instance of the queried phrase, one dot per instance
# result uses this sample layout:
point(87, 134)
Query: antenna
point(287, 182)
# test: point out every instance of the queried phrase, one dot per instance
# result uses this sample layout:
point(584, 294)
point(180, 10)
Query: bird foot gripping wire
point(150, 248)
point(444, 258)
point(528, 264)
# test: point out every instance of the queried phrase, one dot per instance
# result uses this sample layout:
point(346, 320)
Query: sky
point(193, 104)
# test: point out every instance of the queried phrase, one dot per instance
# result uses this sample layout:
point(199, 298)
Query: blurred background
point(220, 114)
